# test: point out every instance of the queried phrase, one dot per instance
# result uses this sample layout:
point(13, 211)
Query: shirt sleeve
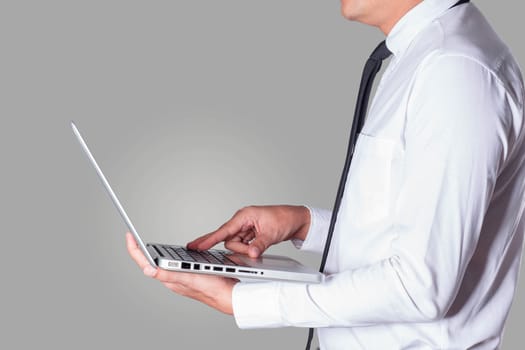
point(456, 142)
point(317, 232)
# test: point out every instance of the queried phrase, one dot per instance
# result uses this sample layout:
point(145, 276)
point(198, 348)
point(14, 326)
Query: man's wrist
point(226, 305)
point(304, 217)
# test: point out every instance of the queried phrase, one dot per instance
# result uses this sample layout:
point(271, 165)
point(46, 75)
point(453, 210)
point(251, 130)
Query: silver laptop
point(213, 261)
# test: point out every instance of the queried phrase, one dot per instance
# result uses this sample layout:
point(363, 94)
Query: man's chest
point(364, 226)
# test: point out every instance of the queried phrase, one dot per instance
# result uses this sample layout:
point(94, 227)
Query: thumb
point(257, 247)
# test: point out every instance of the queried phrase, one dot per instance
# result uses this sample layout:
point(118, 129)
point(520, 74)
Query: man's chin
point(347, 13)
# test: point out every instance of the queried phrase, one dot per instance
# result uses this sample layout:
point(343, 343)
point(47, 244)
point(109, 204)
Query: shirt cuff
point(276, 304)
point(256, 305)
point(317, 232)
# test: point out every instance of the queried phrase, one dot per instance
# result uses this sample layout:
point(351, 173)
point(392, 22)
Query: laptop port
point(185, 265)
point(217, 268)
point(230, 269)
point(196, 266)
point(206, 267)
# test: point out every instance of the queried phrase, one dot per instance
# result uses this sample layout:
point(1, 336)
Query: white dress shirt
point(427, 246)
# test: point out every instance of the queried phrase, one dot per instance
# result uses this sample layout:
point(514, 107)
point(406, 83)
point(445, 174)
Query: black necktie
point(372, 66)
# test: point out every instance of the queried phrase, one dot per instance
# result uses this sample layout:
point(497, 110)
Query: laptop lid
point(112, 195)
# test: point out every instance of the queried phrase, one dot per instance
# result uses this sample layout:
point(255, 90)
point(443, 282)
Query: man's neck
point(395, 14)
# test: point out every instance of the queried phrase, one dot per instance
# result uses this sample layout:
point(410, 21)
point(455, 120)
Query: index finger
point(232, 227)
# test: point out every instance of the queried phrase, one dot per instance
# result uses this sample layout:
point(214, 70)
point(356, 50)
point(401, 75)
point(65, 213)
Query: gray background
point(194, 109)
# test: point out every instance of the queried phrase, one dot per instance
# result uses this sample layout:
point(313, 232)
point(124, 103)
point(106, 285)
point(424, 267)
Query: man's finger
point(130, 241)
point(193, 244)
point(257, 247)
point(135, 252)
point(237, 247)
point(166, 276)
point(228, 230)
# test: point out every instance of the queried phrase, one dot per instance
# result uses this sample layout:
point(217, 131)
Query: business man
point(427, 241)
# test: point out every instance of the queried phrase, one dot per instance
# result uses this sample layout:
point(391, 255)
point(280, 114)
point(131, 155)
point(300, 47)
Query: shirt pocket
point(368, 191)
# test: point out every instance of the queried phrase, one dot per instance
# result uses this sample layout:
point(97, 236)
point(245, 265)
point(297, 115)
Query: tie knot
point(381, 52)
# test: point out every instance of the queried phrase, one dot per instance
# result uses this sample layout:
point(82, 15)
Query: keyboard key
point(207, 256)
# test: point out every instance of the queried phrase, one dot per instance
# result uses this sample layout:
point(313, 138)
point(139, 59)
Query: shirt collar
point(406, 29)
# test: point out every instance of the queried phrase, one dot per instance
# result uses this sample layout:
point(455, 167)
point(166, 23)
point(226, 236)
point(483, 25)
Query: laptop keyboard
point(207, 256)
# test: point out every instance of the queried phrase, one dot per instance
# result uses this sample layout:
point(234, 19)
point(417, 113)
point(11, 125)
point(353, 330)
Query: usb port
point(217, 268)
point(185, 265)
point(196, 266)
point(230, 269)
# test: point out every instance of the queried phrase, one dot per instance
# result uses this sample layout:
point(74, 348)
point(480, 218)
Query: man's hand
point(214, 291)
point(253, 229)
